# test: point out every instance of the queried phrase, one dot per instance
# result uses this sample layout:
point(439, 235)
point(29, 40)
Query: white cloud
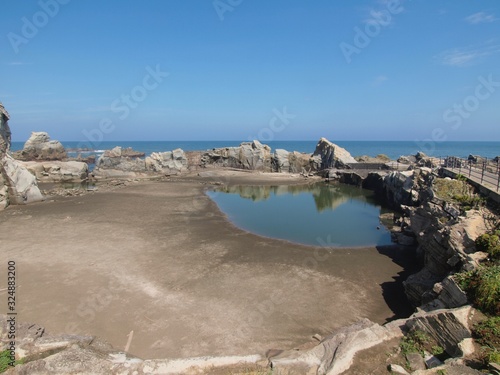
point(378, 80)
point(480, 17)
point(460, 57)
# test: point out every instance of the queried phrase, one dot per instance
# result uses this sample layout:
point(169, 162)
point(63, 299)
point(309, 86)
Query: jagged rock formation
point(445, 236)
point(116, 163)
point(292, 162)
point(58, 171)
point(167, 162)
point(332, 156)
point(17, 185)
point(113, 164)
point(249, 155)
point(335, 353)
point(40, 147)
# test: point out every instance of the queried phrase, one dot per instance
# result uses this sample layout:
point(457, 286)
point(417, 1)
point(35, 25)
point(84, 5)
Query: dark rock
point(447, 327)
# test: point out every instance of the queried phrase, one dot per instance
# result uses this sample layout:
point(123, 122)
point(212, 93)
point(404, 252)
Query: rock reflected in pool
point(321, 214)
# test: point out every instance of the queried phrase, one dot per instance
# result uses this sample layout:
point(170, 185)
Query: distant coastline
point(393, 149)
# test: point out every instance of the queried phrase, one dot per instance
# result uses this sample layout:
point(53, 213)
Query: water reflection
point(306, 213)
point(326, 196)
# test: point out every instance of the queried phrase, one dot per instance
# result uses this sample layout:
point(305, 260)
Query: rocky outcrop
point(58, 171)
point(332, 156)
point(167, 162)
point(292, 162)
point(21, 185)
point(44, 353)
point(17, 185)
point(40, 147)
point(114, 164)
point(249, 155)
point(117, 163)
point(446, 243)
point(447, 327)
point(335, 353)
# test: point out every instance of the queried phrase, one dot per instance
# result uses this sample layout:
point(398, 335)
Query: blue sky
point(239, 69)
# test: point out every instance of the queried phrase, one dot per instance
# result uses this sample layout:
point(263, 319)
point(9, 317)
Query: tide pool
point(321, 214)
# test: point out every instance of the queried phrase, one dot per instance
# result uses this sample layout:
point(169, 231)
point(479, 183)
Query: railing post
point(482, 172)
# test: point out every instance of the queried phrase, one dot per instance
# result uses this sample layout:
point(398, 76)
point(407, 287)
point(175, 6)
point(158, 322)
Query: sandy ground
point(160, 259)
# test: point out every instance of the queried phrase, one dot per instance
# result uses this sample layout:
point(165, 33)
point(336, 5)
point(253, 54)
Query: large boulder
point(5, 133)
point(17, 185)
point(115, 164)
point(40, 147)
point(281, 160)
point(291, 162)
point(332, 156)
point(249, 155)
point(447, 327)
point(167, 162)
point(21, 185)
point(58, 171)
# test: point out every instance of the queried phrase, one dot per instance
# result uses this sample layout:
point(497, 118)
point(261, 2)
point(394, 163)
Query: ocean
point(392, 149)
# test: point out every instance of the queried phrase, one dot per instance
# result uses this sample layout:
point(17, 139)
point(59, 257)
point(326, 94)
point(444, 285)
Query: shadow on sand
point(393, 291)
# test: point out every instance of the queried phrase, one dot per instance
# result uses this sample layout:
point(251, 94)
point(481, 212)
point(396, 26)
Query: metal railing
point(483, 170)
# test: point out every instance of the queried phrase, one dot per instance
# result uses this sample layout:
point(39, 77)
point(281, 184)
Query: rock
point(21, 184)
point(405, 240)
point(335, 353)
point(420, 155)
point(89, 159)
point(494, 368)
point(450, 294)
point(58, 171)
point(131, 153)
point(398, 370)
point(332, 156)
point(345, 177)
point(432, 361)
point(467, 347)
point(281, 160)
point(301, 162)
point(17, 185)
point(416, 361)
point(40, 147)
point(447, 327)
point(45, 353)
point(398, 188)
point(476, 159)
point(113, 164)
point(418, 284)
point(249, 155)
point(167, 162)
point(5, 134)
point(407, 159)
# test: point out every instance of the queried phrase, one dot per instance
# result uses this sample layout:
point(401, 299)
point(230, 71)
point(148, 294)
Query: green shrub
point(482, 287)
point(468, 202)
point(437, 350)
point(489, 243)
point(487, 334)
point(414, 342)
point(5, 361)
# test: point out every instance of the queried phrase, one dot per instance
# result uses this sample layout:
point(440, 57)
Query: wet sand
point(159, 259)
